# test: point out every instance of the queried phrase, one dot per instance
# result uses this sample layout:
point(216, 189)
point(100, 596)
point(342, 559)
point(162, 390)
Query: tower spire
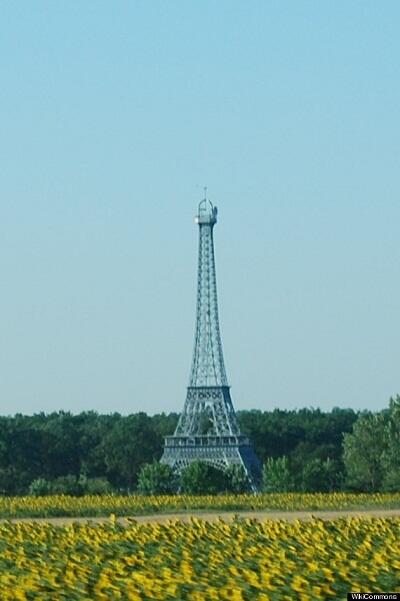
point(208, 368)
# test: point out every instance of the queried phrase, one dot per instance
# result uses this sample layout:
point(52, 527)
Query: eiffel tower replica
point(208, 429)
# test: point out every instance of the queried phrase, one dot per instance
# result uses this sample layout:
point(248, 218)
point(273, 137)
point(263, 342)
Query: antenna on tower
point(205, 192)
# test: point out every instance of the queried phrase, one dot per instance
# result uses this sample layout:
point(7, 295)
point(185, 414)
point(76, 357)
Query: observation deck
point(207, 213)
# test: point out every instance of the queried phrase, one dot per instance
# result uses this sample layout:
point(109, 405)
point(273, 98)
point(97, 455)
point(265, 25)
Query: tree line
point(304, 450)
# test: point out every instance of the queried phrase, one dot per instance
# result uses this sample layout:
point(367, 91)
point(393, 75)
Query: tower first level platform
point(218, 451)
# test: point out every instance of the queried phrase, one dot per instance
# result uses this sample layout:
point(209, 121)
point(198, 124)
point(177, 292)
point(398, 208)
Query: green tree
point(391, 455)
point(40, 487)
point(237, 479)
point(114, 447)
point(276, 475)
point(130, 444)
point(20, 455)
point(60, 445)
point(321, 476)
point(200, 478)
point(156, 479)
point(97, 486)
point(363, 451)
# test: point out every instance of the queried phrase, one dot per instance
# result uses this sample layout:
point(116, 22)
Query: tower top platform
point(207, 213)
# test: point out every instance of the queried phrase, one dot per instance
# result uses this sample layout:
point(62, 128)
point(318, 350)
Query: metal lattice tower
point(207, 429)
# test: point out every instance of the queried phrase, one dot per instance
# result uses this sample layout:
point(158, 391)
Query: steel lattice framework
point(207, 429)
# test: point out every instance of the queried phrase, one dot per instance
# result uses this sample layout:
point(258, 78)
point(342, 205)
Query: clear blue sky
point(113, 115)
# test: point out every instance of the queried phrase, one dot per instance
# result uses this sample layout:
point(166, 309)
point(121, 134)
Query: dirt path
point(227, 516)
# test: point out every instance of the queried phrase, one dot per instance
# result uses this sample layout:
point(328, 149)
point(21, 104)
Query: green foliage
point(200, 478)
point(315, 475)
point(156, 479)
point(391, 453)
point(97, 486)
point(320, 476)
point(130, 444)
point(290, 433)
point(62, 444)
point(8, 480)
point(312, 475)
point(40, 487)
point(67, 485)
point(110, 450)
point(363, 451)
point(237, 481)
point(276, 475)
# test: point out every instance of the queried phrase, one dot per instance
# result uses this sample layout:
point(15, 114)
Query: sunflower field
point(131, 505)
point(240, 560)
